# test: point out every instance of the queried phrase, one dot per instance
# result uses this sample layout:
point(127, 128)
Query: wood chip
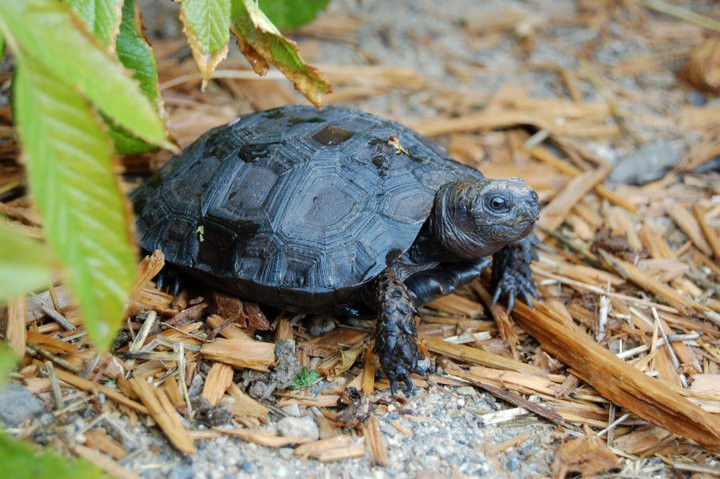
point(99, 439)
point(241, 352)
point(50, 343)
point(312, 449)
point(15, 331)
point(588, 455)
point(709, 234)
point(332, 342)
point(163, 413)
point(512, 398)
point(338, 454)
point(545, 155)
point(456, 304)
point(104, 463)
point(217, 382)
point(689, 225)
point(477, 356)
point(263, 438)
point(405, 431)
point(92, 387)
point(229, 331)
point(368, 376)
point(553, 214)
point(149, 267)
point(513, 441)
point(648, 398)
point(374, 441)
point(661, 290)
point(244, 405)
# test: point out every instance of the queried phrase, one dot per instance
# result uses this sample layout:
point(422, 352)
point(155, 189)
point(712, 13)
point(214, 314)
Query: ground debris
point(587, 455)
point(262, 385)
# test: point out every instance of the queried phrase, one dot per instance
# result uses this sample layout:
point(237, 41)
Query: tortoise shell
point(295, 207)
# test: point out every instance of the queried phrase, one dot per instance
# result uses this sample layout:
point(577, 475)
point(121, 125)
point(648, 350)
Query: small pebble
point(298, 427)
point(321, 325)
point(466, 390)
point(246, 467)
point(292, 410)
point(17, 404)
point(47, 419)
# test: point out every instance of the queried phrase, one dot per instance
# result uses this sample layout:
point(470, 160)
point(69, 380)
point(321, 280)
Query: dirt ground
point(423, 62)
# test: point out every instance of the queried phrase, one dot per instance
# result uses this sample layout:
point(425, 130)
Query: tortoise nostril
point(534, 195)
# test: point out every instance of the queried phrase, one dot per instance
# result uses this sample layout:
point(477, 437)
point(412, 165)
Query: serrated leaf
point(25, 264)
point(21, 461)
point(7, 362)
point(2, 47)
point(71, 175)
point(102, 18)
point(207, 27)
point(261, 42)
point(135, 53)
point(292, 13)
point(47, 32)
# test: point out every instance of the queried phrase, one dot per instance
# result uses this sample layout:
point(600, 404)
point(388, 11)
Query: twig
point(614, 424)
point(182, 370)
point(54, 385)
point(55, 315)
point(512, 398)
point(681, 13)
point(673, 357)
point(53, 357)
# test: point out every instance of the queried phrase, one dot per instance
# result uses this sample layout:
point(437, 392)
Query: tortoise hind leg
point(169, 279)
point(396, 334)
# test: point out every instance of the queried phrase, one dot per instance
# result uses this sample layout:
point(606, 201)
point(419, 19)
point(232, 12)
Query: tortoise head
point(478, 217)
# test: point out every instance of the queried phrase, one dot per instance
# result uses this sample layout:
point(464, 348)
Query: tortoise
point(340, 211)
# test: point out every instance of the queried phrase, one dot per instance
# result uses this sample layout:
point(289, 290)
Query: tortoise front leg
point(396, 334)
point(444, 279)
point(511, 274)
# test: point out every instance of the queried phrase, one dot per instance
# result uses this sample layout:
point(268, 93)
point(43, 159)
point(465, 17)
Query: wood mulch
point(622, 354)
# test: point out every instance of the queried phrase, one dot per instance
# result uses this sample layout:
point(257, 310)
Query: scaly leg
point(511, 275)
point(428, 285)
point(395, 334)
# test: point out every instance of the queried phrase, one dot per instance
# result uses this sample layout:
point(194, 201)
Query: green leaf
point(7, 362)
point(262, 43)
point(304, 378)
point(135, 53)
point(2, 47)
point(71, 175)
point(102, 18)
point(20, 461)
point(25, 264)
point(207, 27)
point(292, 13)
point(46, 31)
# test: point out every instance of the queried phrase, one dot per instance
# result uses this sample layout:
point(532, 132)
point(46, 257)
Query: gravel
point(441, 441)
point(17, 405)
point(298, 427)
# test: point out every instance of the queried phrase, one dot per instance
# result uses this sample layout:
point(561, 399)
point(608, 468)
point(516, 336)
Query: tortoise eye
point(498, 204)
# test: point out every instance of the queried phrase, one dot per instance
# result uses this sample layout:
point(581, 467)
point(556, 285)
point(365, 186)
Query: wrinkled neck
point(445, 228)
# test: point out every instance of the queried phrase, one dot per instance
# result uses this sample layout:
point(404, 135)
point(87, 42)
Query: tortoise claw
point(511, 275)
point(170, 280)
